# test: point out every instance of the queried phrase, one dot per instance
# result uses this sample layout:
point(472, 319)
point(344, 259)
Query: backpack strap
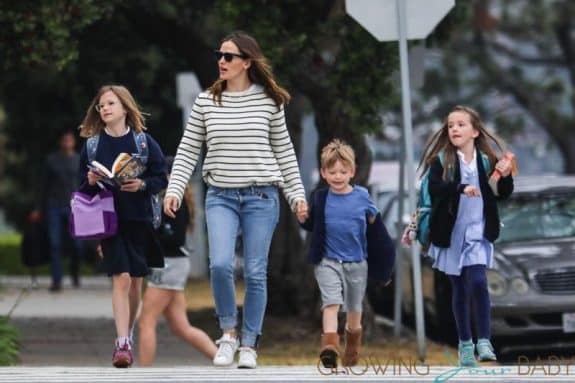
point(141, 145)
point(139, 139)
point(92, 147)
point(143, 152)
point(486, 163)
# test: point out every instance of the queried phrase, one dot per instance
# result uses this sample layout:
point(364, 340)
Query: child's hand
point(301, 211)
point(405, 239)
point(504, 167)
point(132, 185)
point(471, 191)
point(93, 177)
point(99, 251)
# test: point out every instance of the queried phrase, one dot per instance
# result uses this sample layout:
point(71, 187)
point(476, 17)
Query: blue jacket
point(380, 247)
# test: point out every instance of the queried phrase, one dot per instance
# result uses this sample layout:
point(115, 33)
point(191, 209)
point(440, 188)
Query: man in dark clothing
point(59, 180)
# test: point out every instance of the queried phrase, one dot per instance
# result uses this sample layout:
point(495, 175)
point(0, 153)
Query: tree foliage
point(44, 33)
point(514, 61)
point(332, 67)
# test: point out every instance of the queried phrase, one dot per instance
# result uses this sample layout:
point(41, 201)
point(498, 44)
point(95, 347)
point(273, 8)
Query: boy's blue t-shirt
point(346, 224)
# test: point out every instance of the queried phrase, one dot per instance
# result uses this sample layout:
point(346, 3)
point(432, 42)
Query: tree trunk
point(290, 277)
point(333, 124)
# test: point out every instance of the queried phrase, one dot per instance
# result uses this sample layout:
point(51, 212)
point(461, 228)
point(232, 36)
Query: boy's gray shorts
point(342, 283)
point(173, 276)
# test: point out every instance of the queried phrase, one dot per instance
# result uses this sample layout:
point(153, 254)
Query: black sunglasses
point(228, 56)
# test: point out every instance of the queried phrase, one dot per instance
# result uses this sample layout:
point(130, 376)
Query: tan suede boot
point(352, 347)
point(329, 349)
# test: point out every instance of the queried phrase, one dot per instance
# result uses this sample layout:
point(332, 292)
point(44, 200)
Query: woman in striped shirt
point(249, 156)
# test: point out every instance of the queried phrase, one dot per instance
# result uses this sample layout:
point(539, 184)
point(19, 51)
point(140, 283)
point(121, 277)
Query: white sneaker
point(228, 346)
point(247, 358)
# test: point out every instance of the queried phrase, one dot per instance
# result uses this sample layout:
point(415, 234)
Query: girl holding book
point(114, 118)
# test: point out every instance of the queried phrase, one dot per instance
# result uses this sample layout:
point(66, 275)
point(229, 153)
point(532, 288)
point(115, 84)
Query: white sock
point(122, 340)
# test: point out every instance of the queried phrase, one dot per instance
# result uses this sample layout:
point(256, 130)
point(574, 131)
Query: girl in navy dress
point(115, 119)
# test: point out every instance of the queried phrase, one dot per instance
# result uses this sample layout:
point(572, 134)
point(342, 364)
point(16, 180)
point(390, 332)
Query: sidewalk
point(75, 327)
point(21, 300)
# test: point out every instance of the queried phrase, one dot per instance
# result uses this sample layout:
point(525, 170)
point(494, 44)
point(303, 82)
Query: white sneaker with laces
point(227, 347)
point(248, 357)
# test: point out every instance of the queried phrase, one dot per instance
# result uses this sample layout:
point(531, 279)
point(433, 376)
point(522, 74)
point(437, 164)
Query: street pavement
point(68, 337)
point(272, 374)
point(75, 327)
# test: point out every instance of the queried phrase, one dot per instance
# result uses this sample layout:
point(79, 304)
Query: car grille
point(560, 281)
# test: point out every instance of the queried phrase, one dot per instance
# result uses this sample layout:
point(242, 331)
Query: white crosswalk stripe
point(288, 374)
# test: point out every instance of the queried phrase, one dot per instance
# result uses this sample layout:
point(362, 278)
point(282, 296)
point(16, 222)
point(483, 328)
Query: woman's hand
point(171, 205)
point(93, 177)
point(132, 185)
point(301, 211)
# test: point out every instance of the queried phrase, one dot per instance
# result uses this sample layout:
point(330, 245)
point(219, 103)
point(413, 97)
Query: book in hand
point(124, 168)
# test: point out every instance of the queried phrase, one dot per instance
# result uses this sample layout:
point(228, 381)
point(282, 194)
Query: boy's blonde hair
point(337, 150)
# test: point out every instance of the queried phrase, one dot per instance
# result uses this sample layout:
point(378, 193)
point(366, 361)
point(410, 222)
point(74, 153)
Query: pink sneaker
point(122, 357)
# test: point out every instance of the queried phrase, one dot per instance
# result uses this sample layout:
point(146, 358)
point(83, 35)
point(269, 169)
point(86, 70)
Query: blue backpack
point(142, 146)
point(422, 215)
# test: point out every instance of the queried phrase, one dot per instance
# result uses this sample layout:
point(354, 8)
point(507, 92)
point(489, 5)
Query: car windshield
point(538, 217)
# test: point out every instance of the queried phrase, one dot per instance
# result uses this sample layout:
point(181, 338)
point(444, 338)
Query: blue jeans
point(256, 211)
point(57, 225)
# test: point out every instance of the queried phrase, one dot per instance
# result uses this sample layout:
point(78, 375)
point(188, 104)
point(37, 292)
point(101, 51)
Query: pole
point(399, 248)
point(406, 108)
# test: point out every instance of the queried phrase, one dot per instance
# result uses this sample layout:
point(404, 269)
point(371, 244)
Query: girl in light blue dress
point(465, 221)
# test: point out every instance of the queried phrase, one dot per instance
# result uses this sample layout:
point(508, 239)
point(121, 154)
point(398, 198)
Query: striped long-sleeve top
point(247, 141)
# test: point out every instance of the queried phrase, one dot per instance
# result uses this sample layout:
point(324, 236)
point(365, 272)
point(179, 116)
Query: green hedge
point(10, 261)
point(8, 343)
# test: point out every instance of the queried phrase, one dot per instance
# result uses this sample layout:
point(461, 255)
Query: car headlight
point(496, 283)
point(519, 285)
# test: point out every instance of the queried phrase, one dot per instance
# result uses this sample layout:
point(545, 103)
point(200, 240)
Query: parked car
point(532, 284)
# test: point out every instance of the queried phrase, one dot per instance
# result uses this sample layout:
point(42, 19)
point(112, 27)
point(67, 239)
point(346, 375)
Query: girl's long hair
point(259, 72)
point(439, 141)
point(93, 124)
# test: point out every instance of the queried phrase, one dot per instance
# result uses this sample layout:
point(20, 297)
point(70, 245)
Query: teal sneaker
point(485, 350)
point(466, 353)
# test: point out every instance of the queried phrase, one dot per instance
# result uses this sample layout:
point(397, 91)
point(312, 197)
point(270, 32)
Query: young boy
point(339, 220)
